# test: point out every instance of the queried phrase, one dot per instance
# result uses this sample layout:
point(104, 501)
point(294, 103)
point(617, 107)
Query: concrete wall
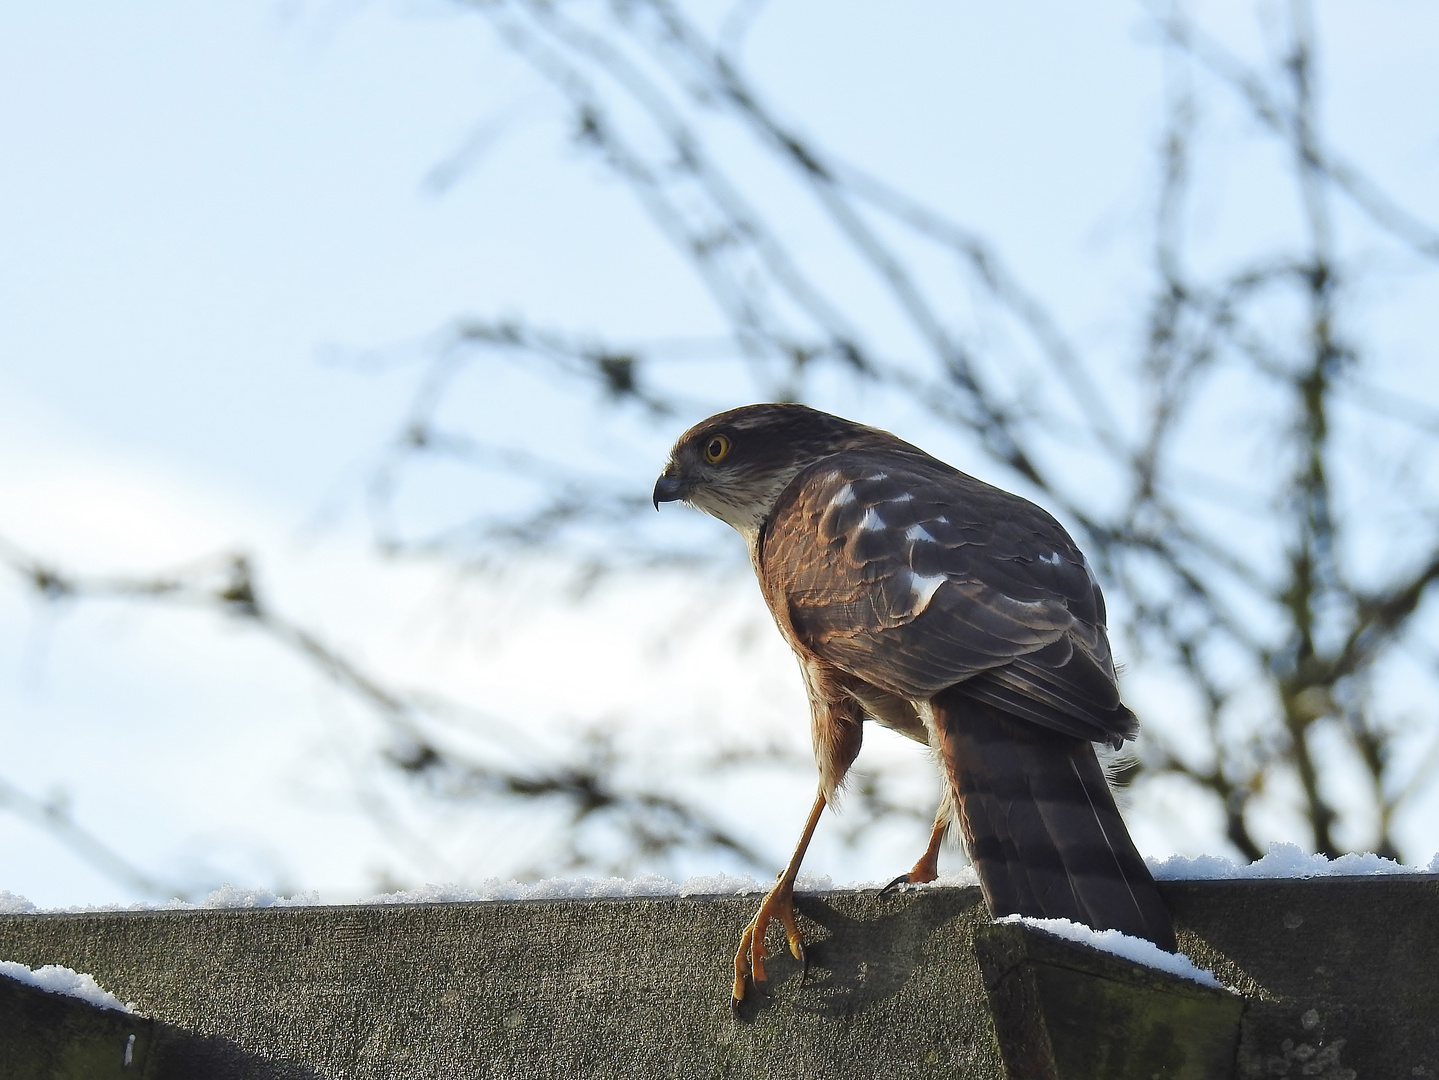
point(1342, 976)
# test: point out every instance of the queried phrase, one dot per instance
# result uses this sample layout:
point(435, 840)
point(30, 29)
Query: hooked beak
point(668, 489)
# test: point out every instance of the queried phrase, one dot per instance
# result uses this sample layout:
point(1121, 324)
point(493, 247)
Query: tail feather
point(1041, 825)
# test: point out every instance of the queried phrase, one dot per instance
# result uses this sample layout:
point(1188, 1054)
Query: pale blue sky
point(206, 209)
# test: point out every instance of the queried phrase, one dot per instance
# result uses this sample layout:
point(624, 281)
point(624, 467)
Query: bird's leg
point(777, 904)
point(927, 868)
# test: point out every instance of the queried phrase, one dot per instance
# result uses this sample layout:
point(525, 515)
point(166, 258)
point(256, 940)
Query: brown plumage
point(958, 614)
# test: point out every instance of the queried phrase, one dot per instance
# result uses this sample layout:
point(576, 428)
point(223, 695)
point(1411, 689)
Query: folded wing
point(916, 578)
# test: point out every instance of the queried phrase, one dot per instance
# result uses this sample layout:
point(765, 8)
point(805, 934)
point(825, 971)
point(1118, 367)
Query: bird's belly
point(892, 711)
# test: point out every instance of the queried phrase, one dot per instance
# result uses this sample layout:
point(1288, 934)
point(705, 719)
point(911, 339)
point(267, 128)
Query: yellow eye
point(716, 448)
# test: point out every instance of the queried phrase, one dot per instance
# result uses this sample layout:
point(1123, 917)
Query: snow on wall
point(494, 889)
point(1137, 950)
point(62, 980)
point(15, 904)
point(1282, 861)
point(649, 885)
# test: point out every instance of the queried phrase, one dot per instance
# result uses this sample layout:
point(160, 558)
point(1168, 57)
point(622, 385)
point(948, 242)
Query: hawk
point(955, 613)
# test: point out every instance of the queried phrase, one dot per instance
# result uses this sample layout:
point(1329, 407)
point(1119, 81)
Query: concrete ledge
point(46, 1036)
point(1342, 976)
point(1066, 1011)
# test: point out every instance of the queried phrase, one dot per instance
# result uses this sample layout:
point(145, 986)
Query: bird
point(952, 612)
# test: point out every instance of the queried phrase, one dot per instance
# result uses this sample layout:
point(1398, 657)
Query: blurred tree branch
point(643, 824)
point(54, 817)
point(1236, 561)
point(1274, 613)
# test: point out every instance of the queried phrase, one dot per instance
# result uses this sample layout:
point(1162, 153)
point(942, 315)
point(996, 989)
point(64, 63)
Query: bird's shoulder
point(913, 576)
point(871, 513)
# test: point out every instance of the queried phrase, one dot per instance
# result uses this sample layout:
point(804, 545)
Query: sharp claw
point(749, 960)
point(894, 885)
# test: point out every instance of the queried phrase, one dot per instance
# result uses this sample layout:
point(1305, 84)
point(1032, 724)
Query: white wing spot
point(843, 497)
point(924, 589)
point(871, 521)
point(918, 534)
point(902, 497)
point(1052, 558)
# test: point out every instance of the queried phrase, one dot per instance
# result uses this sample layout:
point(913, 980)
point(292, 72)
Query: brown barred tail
point(1041, 825)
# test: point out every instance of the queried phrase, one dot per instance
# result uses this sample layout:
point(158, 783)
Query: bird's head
point(734, 465)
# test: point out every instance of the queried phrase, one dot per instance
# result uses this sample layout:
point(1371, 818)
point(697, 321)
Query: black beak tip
point(667, 489)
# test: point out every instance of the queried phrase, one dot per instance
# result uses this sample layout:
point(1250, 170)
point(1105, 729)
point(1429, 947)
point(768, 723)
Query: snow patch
point(62, 980)
point(226, 896)
point(498, 889)
point(596, 888)
point(232, 896)
point(15, 904)
point(1282, 861)
point(1137, 950)
point(575, 888)
point(963, 877)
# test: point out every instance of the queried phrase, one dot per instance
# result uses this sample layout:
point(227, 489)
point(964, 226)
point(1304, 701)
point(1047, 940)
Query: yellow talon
point(749, 960)
point(778, 903)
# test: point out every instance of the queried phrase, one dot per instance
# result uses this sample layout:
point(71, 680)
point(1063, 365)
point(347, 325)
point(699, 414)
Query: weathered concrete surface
point(625, 989)
point(1065, 1011)
point(1343, 975)
point(45, 1036)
